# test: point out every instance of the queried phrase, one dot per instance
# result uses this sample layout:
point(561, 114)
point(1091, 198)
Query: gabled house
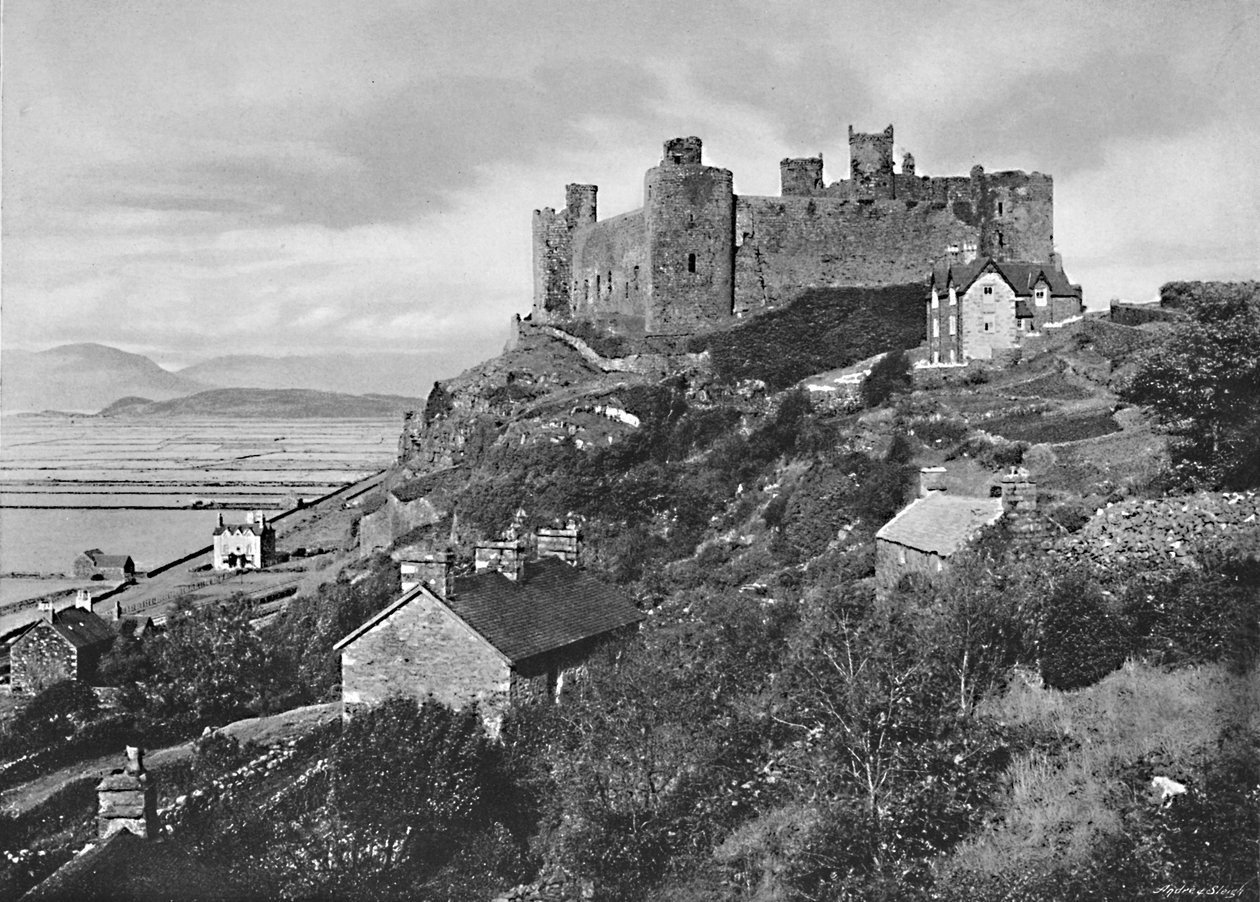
point(96, 564)
point(923, 537)
point(248, 545)
point(61, 645)
point(514, 630)
point(985, 308)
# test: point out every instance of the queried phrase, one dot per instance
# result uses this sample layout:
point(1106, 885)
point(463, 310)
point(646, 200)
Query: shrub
point(889, 376)
point(1081, 641)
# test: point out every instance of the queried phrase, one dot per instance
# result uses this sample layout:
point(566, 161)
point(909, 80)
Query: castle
point(697, 254)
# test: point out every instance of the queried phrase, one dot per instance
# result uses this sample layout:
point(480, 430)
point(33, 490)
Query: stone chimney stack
point(931, 479)
point(47, 609)
point(220, 518)
point(1019, 502)
point(564, 542)
point(83, 599)
point(117, 610)
point(507, 557)
point(127, 799)
point(434, 571)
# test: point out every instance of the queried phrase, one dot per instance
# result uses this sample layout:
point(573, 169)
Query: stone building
point(61, 645)
point(96, 564)
point(248, 545)
point(696, 254)
point(513, 630)
point(984, 308)
point(928, 531)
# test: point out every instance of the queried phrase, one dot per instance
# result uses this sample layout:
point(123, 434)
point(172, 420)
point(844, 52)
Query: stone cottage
point(513, 630)
point(96, 564)
point(61, 645)
point(931, 529)
point(248, 545)
point(984, 308)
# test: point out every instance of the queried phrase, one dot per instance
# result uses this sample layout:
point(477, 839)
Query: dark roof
point(1022, 277)
point(940, 523)
point(553, 606)
point(80, 628)
point(126, 867)
point(238, 528)
point(101, 559)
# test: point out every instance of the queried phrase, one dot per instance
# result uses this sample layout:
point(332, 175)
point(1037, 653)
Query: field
point(153, 489)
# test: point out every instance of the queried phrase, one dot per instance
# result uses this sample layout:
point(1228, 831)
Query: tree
point(1203, 383)
point(55, 712)
point(210, 666)
point(889, 376)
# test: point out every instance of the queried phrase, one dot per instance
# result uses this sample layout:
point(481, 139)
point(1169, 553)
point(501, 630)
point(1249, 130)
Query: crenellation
point(696, 254)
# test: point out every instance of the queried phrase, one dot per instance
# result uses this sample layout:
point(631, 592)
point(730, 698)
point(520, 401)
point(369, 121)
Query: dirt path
point(264, 730)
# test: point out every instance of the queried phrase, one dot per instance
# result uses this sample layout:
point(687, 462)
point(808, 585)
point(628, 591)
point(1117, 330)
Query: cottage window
point(953, 325)
point(988, 325)
point(901, 556)
point(691, 263)
point(1040, 296)
point(988, 289)
point(939, 565)
point(936, 300)
point(936, 327)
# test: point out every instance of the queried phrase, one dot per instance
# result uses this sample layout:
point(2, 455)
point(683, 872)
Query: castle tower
point(689, 215)
point(801, 176)
point(871, 163)
point(579, 203)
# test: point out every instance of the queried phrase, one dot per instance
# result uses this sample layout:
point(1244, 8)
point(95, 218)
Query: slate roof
point(553, 606)
point(80, 628)
point(126, 867)
point(101, 559)
point(1022, 277)
point(238, 528)
point(940, 523)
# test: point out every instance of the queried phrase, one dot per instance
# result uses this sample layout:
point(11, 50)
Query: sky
point(194, 179)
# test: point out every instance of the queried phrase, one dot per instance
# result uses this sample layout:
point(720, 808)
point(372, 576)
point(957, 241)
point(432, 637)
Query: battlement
point(696, 254)
point(682, 151)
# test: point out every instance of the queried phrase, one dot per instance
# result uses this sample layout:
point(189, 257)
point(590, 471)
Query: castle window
point(610, 284)
point(691, 219)
point(691, 263)
point(636, 275)
point(953, 325)
point(999, 208)
point(1001, 240)
point(597, 286)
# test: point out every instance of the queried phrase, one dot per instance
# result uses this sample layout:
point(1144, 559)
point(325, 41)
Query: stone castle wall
point(696, 254)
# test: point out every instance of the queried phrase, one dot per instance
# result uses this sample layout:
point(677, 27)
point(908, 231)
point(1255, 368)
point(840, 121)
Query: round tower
point(689, 215)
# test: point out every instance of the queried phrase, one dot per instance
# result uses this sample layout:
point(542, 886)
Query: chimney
point(83, 599)
point(564, 542)
point(117, 610)
point(507, 557)
point(249, 517)
point(1019, 502)
point(931, 479)
point(47, 609)
point(127, 799)
point(220, 518)
point(260, 517)
point(434, 571)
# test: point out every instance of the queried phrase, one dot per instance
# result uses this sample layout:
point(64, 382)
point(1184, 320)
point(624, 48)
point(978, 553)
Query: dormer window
point(1039, 295)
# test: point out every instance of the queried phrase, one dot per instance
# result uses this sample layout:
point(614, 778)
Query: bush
point(1081, 641)
point(889, 376)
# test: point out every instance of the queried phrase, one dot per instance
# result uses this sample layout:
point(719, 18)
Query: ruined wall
point(871, 162)
point(988, 322)
point(39, 659)
point(787, 244)
point(610, 273)
point(423, 650)
point(689, 211)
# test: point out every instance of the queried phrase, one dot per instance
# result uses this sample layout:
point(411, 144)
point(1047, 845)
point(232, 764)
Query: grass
point(1039, 429)
point(1114, 736)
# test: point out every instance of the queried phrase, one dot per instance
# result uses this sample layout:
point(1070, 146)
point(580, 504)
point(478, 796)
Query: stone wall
point(39, 659)
point(394, 518)
point(423, 650)
point(547, 677)
point(787, 244)
point(893, 561)
point(610, 273)
point(988, 324)
point(1144, 536)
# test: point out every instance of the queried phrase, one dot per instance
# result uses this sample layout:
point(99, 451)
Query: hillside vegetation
point(774, 731)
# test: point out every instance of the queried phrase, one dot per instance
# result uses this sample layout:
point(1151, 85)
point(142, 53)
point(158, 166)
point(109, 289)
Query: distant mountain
point(395, 373)
point(267, 403)
point(84, 377)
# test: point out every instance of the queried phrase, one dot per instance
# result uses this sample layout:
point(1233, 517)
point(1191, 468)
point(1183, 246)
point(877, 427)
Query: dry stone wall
point(1151, 535)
